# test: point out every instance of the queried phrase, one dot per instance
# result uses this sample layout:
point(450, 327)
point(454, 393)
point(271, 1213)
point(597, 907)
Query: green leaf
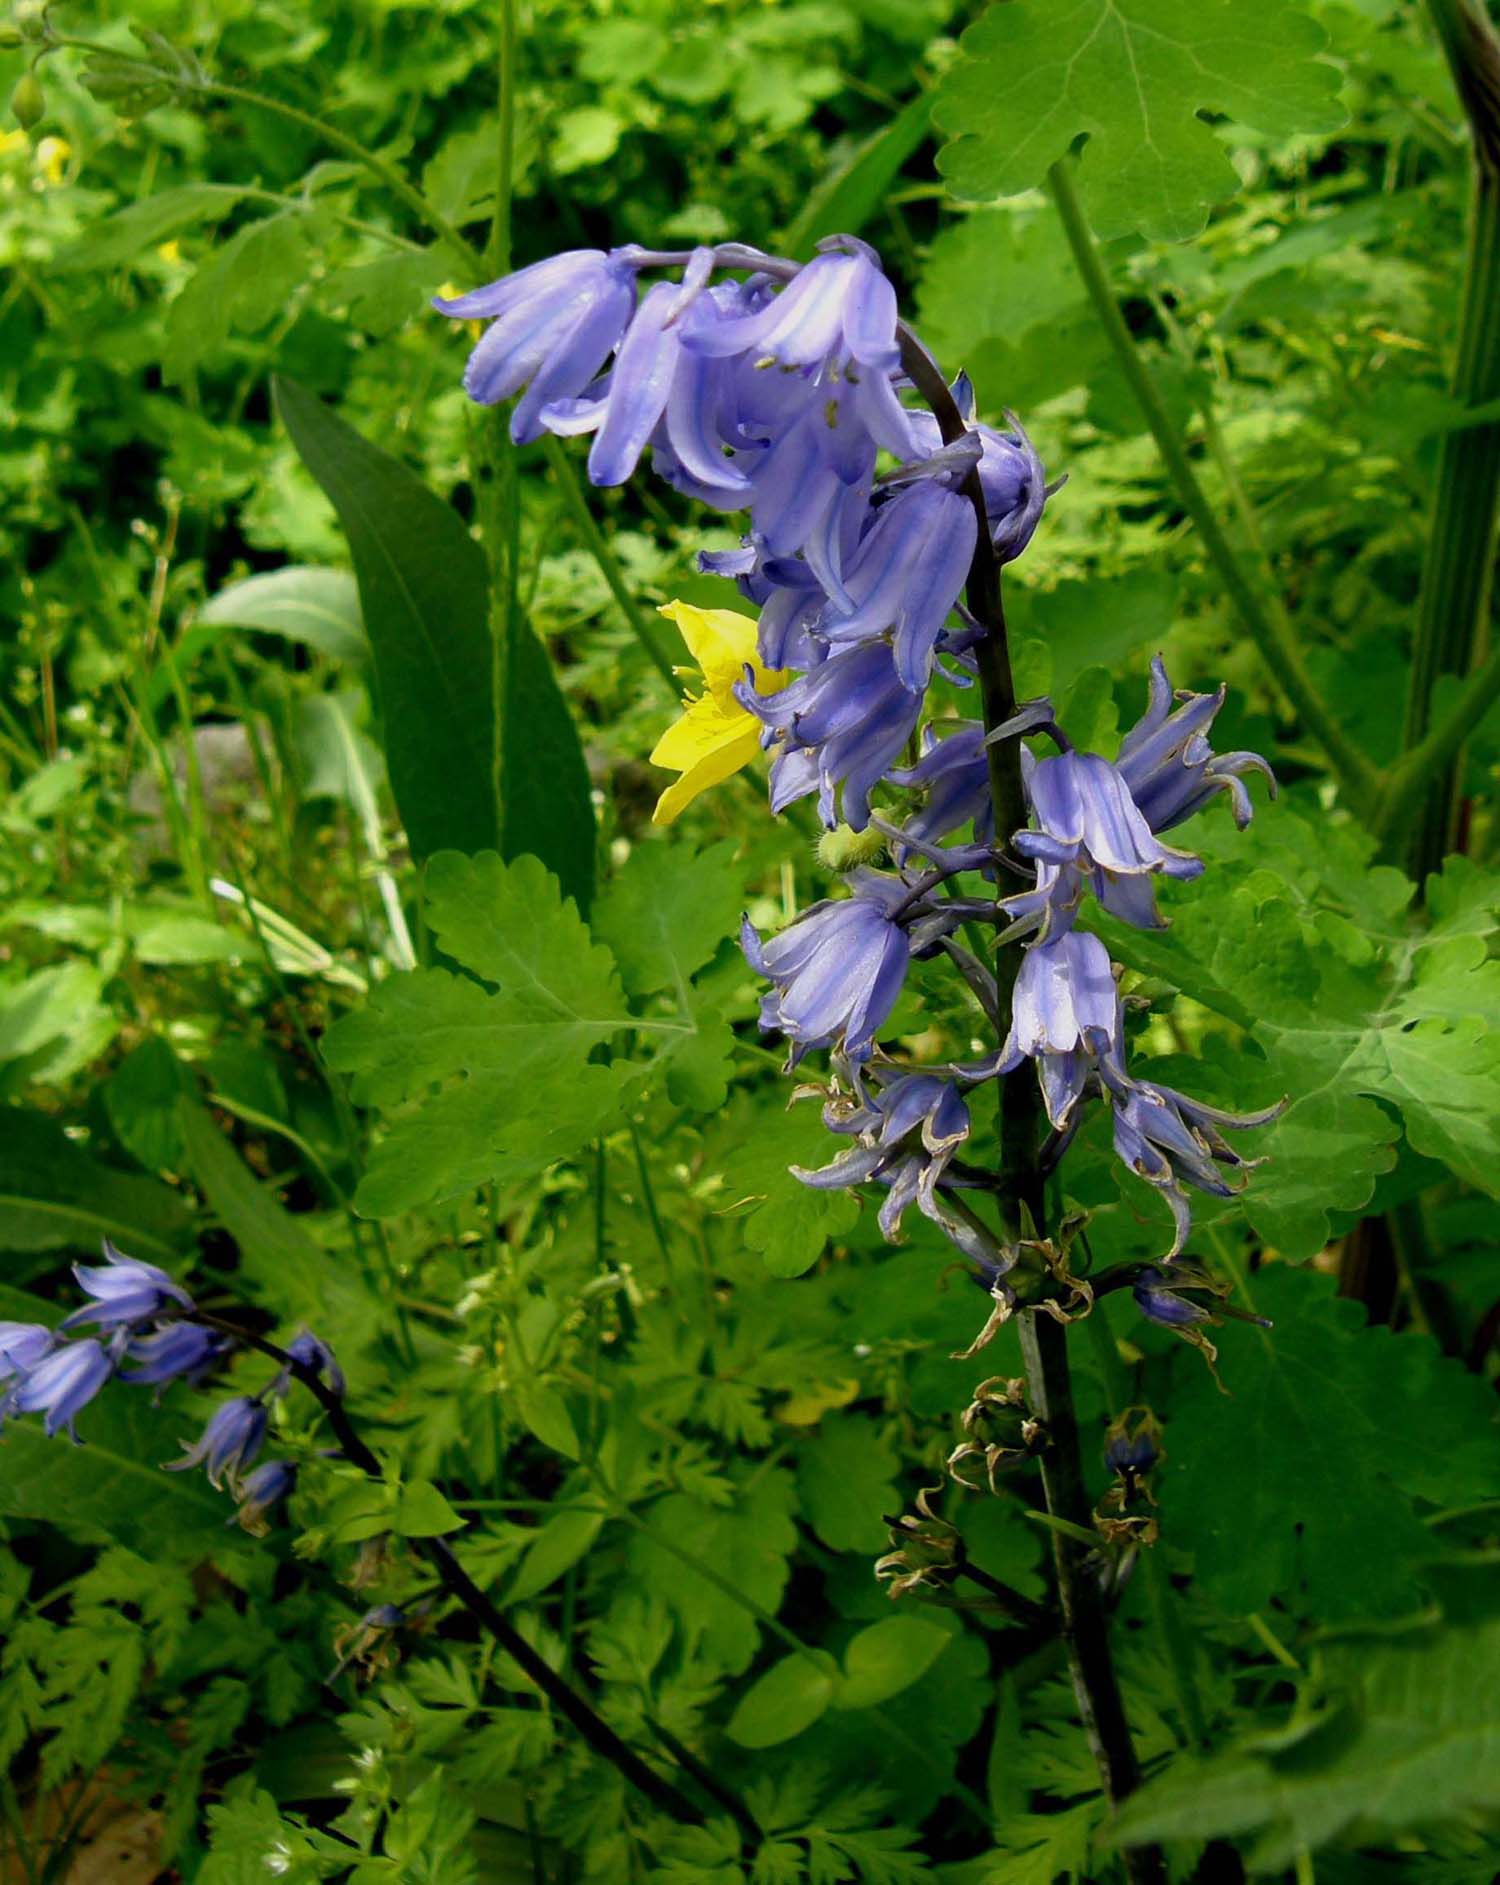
point(545, 1413)
point(122, 236)
point(112, 1485)
point(243, 284)
point(788, 1222)
point(748, 1543)
point(317, 606)
point(141, 1098)
point(888, 1657)
point(424, 595)
point(421, 1511)
point(852, 192)
point(559, 1545)
point(277, 1257)
point(846, 1481)
point(778, 1705)
point(667, 911)
point(1132, 76)
point(1310, 1468)
point(1408, 1741)
point(46, 1006)
point(519, 1090)
point(53, 1196)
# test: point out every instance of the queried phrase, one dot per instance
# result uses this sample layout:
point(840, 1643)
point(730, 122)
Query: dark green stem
point(1019, 1195)
point(1458, 571)
point(1258, 607)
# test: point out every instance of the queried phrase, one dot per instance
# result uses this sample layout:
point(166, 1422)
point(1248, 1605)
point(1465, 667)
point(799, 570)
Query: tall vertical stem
point(1044, 1342)
point(1458, 571)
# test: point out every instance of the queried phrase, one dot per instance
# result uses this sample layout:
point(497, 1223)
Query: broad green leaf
point(560, 1543)
point(846, 1481)
point(850, 194)
point(1408, 1741)
point(243, 284)
point(1132, 76)
point(544, 1411)
point(122, 236)
point(46, 1006)
point(335, 758)
point(664, 916)
point(888, 1657)
point(778, 1705)
point(141, 1098)
point(519, 1090)
point(113, 1485)
point(316, 606)
point(788, 1222)
point(277, 1257)
point(667, 911)
point(1310, 1467)
point(424, 595)
point(53, 1196)
point(748, 1542)
point(422, 1512)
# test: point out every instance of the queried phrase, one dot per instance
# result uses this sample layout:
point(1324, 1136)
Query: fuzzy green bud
point(31, 19)
point(843, 849)
point(27, 103)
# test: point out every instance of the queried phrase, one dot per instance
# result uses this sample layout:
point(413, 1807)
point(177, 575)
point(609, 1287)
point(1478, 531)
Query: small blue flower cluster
point(777, 394)
point(143, 1318)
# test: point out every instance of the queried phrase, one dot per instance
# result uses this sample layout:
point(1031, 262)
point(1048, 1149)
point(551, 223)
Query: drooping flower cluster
point(148, 1335)
point(786, 392)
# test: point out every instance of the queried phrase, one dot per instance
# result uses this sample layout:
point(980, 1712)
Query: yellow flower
point(52, 155)
point(170, 252)
point(715, 736)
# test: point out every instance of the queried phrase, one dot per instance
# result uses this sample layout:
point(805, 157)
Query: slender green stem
point(598, 546)
point(1258, 608)
point(1416, 770)
point(1458, 571)
point(497, 256)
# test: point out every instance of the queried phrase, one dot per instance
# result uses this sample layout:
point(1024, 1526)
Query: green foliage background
point(293, 997)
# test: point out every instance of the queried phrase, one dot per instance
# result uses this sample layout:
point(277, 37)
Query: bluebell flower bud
point(261, 1491)
point(125, 1290)
point(955, 773)
point(62, 1383)
point(310, 1352)
point(229, 1442)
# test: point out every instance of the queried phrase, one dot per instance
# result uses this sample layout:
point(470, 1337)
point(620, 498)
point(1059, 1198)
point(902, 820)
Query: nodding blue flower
point(842, 726)
point(839, 309)
point(1170, 768)
point(624, 409)
point(1065, 1015)
point(1170, 1140)
point(180, 1351)
point(906, 576)
point(22, 1346)
point(907, 1136)
point(62, 1384)
point(553, 326)
point(125, 1290)
point(837, 970)
point(309, 1351)
point(1011, 475)
point(955, 773)
point(1090, 835)
point(1134, 1452)
point(229, 1442)
point(262, 1490)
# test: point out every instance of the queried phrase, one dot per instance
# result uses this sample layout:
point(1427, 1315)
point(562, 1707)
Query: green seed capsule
point(27, 103)
point(843, 849)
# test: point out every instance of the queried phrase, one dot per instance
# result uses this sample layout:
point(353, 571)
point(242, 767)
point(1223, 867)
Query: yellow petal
point(705, 726)
point(723, 643)
point(711, 769)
